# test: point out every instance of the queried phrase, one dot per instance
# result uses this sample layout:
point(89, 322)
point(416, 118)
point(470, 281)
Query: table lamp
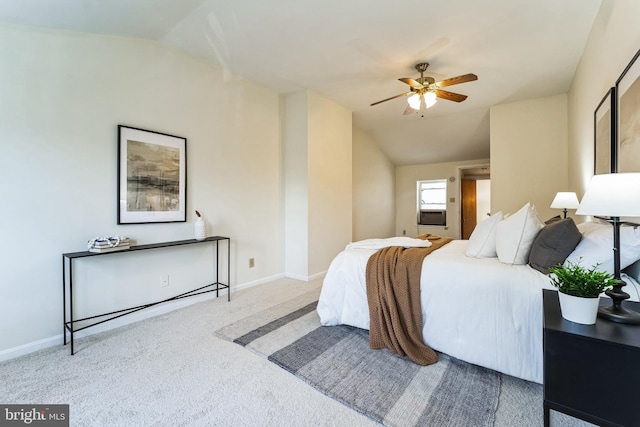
point(614, 195)
point(565, 200)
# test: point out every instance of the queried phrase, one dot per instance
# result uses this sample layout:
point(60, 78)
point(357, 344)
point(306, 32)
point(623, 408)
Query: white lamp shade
point(614, 195)
point(565, 200)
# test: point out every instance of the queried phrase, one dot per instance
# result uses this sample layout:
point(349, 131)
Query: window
point(432, 202)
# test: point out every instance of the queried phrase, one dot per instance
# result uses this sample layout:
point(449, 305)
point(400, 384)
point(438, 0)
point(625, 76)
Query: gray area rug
point(389, 389)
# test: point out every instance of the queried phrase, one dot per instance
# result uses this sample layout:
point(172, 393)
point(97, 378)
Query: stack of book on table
point(108, 244)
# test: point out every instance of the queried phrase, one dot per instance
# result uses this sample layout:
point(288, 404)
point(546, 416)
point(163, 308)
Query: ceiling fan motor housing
point(425, 81)
point(422, 67)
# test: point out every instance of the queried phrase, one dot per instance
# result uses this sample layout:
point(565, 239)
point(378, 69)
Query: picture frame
point(627, 147)
point(604, 134)
point(152, 177)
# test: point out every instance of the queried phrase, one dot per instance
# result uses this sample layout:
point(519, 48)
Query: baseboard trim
point(28, 348)
point(257, 282)
point(305, 278)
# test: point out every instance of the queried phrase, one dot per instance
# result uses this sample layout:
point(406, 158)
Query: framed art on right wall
point(604, 133)
point(627, 148)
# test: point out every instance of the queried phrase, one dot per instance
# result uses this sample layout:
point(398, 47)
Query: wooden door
point(468, 208)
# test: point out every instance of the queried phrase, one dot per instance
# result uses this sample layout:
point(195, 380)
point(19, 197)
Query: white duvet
point(478, 310)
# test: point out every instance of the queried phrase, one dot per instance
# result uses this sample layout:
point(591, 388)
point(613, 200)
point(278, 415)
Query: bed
point(479, 309)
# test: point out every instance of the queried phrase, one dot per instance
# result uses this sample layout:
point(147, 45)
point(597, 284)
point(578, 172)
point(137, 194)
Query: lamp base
point(616, 313)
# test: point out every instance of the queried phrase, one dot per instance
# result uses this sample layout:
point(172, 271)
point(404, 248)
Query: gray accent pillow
point(554, 244)
point(634, 271)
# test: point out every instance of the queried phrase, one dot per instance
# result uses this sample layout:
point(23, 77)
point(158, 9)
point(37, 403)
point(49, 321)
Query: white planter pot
point(578, 309)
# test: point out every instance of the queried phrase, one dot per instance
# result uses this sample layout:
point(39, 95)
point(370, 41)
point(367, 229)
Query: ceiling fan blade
point(389, 99)
point(450, 96)
point(409, 110)
point(411, 82)
point(457, 80)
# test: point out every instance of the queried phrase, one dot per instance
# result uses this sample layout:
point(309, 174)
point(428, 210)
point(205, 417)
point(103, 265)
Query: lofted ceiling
point(354, 51)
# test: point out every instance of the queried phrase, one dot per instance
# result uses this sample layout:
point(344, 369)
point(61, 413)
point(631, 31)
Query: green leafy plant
point(574, 279)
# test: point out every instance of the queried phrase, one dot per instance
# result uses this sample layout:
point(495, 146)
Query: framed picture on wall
point(628, 124)
point(604, 134)
point(152, 176)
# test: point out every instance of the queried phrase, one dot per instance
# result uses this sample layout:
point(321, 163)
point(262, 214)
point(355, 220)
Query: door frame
point(460, 175)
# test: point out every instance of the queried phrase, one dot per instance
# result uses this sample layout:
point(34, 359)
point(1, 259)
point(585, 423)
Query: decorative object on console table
point(627, 147)
point(152, 177)
point(200, 228)
point(108, 244)
point(579, 291)
point(614, 195)
point(565, 200)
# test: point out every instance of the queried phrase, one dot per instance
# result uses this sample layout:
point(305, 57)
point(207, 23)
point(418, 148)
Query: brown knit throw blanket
point(393, 294)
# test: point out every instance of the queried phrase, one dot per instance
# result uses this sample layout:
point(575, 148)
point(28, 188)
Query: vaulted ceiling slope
point(354, 51)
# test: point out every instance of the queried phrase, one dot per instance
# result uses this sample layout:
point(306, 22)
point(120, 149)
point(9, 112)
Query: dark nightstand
point(591, 372)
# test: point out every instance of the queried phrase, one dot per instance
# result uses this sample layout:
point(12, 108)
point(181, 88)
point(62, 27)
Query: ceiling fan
point(425, 90)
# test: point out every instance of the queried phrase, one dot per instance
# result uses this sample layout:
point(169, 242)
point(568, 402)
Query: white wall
point(318, 183)
point(62, 96)
point(373, 190)
point(613, 41)
point(330, 181)
point(296, 165)
point(406, 197)
point(529, 154)
point(483, 199)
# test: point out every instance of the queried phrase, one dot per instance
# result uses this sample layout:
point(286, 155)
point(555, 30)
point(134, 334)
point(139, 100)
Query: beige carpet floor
point(171, 370)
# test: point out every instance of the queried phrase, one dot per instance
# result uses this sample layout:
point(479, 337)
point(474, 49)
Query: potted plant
point(579, 290)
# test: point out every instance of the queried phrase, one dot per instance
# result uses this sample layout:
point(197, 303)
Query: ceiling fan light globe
point(414, 101)
point(430, 99)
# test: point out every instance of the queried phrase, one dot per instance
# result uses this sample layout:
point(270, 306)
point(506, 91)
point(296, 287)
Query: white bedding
point(478, 310)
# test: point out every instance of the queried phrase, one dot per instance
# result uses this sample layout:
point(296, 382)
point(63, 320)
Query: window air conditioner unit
point(433, 217)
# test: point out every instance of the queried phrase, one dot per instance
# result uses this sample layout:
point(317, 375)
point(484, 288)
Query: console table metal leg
point(217, 269)
point(71, 302)
point(228, 270)
point(64, 302)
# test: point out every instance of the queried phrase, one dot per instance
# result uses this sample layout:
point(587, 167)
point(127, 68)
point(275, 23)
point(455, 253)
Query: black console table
point(591, 371)
point(67, 284)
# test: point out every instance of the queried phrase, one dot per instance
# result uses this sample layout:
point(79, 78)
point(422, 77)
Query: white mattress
point(478, 310)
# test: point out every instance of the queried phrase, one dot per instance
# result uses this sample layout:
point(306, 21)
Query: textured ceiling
point(354, 51)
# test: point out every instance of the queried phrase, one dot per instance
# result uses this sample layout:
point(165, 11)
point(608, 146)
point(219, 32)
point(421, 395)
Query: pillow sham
point(516, 234)
point(596, 246)
point(555, 242)
point(482, 242)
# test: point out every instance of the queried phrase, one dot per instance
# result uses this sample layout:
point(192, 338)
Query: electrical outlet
point(252, 262)
point(164, 281)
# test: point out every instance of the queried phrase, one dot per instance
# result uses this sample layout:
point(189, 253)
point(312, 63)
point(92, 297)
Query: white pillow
point(482, 243)
point(516, 234)
point(596, 246)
